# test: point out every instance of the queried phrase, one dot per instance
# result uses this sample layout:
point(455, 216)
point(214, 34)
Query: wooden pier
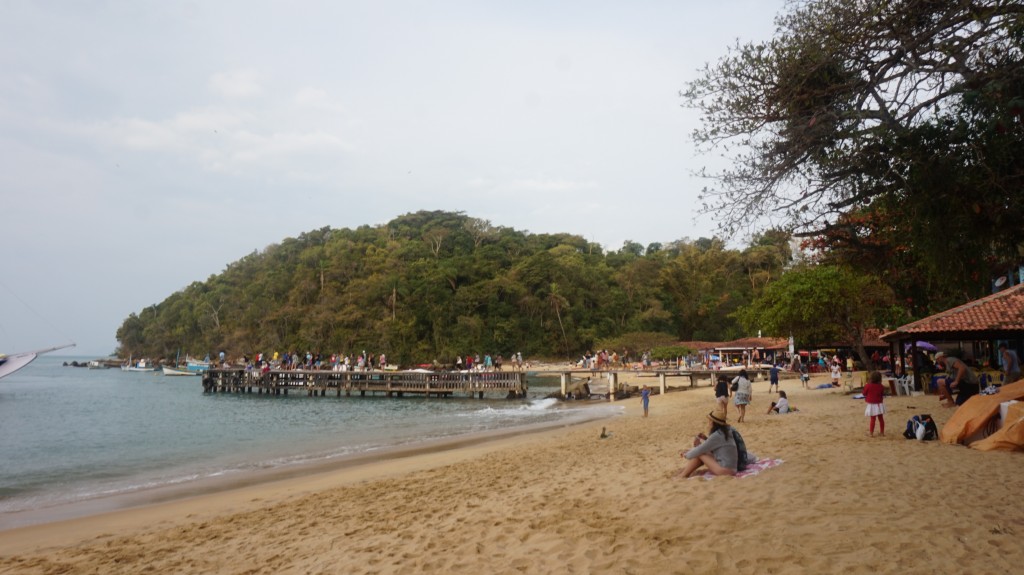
point(606, 382)
point(389, 383)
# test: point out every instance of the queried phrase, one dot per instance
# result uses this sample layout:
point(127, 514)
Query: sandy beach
point(566, 501)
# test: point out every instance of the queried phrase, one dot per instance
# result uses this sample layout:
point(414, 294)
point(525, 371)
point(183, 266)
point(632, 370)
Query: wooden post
point(613, 384)
point(661, 382)
point(566, 378)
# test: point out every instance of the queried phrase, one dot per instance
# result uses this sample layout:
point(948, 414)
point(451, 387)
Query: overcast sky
point(145, 145)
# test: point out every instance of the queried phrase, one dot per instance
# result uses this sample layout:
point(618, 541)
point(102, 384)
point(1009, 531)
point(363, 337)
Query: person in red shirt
point(874, 395)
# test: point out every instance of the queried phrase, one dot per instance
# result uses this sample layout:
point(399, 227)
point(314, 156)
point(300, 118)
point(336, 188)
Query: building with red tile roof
point(998, 316)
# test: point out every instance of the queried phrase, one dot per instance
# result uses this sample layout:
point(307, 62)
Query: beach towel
point(752, 469)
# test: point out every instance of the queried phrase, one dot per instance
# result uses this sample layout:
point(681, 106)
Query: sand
point(566, 501)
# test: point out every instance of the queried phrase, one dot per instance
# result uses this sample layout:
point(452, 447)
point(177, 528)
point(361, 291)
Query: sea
point(71, 437)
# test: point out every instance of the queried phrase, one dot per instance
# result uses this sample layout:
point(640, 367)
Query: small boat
point(141, 365)
point(178, 371)
point(97, 364)
point(15, 361)
point(197, 366)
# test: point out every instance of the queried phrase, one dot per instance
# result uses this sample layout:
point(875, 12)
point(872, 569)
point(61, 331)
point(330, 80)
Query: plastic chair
point(905, 385)
point(848, 382)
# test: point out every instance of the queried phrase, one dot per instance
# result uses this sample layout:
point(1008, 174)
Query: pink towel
point(752, 469)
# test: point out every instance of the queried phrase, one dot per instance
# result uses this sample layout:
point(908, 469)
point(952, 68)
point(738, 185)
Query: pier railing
point(389, 383)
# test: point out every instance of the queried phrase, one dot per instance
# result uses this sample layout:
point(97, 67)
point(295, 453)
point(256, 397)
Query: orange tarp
point(1010, 437)
point(975, 413)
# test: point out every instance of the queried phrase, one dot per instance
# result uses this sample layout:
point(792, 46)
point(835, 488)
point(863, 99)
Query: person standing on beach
point(1011, 364)
point(874, 395)
point(722, 393)
point(645, 398)
point(837, 372)
point(743, 389)
point(773, 378)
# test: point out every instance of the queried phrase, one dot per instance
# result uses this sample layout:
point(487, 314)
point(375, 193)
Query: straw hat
point(718, 416)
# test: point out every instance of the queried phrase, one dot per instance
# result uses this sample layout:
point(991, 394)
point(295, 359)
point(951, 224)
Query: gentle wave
point(73, 435)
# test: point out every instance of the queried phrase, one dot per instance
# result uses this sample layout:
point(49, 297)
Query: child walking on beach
point(873, 396)
point(645, 398)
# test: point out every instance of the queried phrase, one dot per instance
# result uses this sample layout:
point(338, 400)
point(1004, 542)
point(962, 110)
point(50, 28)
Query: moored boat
point(168, 370)
point(197, 366)
point(141, 365)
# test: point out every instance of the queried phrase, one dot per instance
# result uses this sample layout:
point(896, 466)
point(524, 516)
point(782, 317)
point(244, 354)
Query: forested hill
point(431, 285)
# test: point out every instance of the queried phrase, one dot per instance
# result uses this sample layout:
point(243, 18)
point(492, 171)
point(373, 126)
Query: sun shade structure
point(998, 316)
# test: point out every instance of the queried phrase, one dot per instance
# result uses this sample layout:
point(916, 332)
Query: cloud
point(236, 85)
point(230, 141)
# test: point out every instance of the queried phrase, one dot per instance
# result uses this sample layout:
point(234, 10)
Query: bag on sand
point(921, 428)
point(742, 457)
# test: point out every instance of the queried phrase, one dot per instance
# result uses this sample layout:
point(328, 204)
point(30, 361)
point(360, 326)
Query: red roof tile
point(999, 312)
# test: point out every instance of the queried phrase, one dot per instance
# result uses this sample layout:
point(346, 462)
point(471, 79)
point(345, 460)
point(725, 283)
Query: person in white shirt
point(780, 406)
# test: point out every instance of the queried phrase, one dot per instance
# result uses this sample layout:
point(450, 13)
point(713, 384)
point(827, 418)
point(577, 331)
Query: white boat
point(178, 371)
point(15, 361)
point(97, 364)
point(196, 366)
point(141, 365)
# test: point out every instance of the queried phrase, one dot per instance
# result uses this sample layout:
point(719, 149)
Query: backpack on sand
point(742, 457)
point(921, 428)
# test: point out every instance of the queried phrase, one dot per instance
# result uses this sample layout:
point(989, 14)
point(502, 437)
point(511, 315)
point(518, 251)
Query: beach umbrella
point(925, 346)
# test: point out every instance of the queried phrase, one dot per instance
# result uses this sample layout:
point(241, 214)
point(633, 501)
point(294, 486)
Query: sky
point(146, 145)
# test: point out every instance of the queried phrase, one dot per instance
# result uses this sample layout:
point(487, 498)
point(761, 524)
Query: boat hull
point(175, 371)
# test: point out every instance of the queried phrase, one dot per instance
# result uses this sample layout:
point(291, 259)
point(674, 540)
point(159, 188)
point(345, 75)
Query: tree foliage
point(821, 304)
point(431, 285)
point(885, 130)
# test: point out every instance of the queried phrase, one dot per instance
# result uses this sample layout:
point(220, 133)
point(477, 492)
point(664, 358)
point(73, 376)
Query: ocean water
point(69, 435)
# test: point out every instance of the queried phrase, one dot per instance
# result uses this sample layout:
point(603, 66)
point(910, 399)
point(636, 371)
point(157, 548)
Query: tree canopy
point(888, 132)
point(825, 304)
point(430, 285)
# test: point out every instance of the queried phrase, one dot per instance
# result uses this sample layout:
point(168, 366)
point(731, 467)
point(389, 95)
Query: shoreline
point(564, 500)
point(239, 479)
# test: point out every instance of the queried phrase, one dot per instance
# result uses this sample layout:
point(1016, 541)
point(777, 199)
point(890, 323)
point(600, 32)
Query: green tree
point(888, 124)
point(821, 305)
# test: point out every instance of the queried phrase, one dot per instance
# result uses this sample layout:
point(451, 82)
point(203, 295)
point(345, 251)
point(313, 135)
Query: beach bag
point(742, 457)
point(921, 428)
point(735, 386)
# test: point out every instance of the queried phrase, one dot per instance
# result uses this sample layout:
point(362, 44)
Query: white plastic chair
point(904, 385)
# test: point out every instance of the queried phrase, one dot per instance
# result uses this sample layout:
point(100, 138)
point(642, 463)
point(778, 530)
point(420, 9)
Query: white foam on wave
point(542, 404)
point(548, 408)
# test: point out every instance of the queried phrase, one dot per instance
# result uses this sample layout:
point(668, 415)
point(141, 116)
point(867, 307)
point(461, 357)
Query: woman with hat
point(716, 451)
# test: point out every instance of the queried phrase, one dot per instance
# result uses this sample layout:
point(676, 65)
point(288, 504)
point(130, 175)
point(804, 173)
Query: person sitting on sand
point(716, 450)
point(780, 406)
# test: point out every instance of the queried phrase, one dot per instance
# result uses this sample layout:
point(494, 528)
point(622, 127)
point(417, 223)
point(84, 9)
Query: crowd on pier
point(361, 362)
